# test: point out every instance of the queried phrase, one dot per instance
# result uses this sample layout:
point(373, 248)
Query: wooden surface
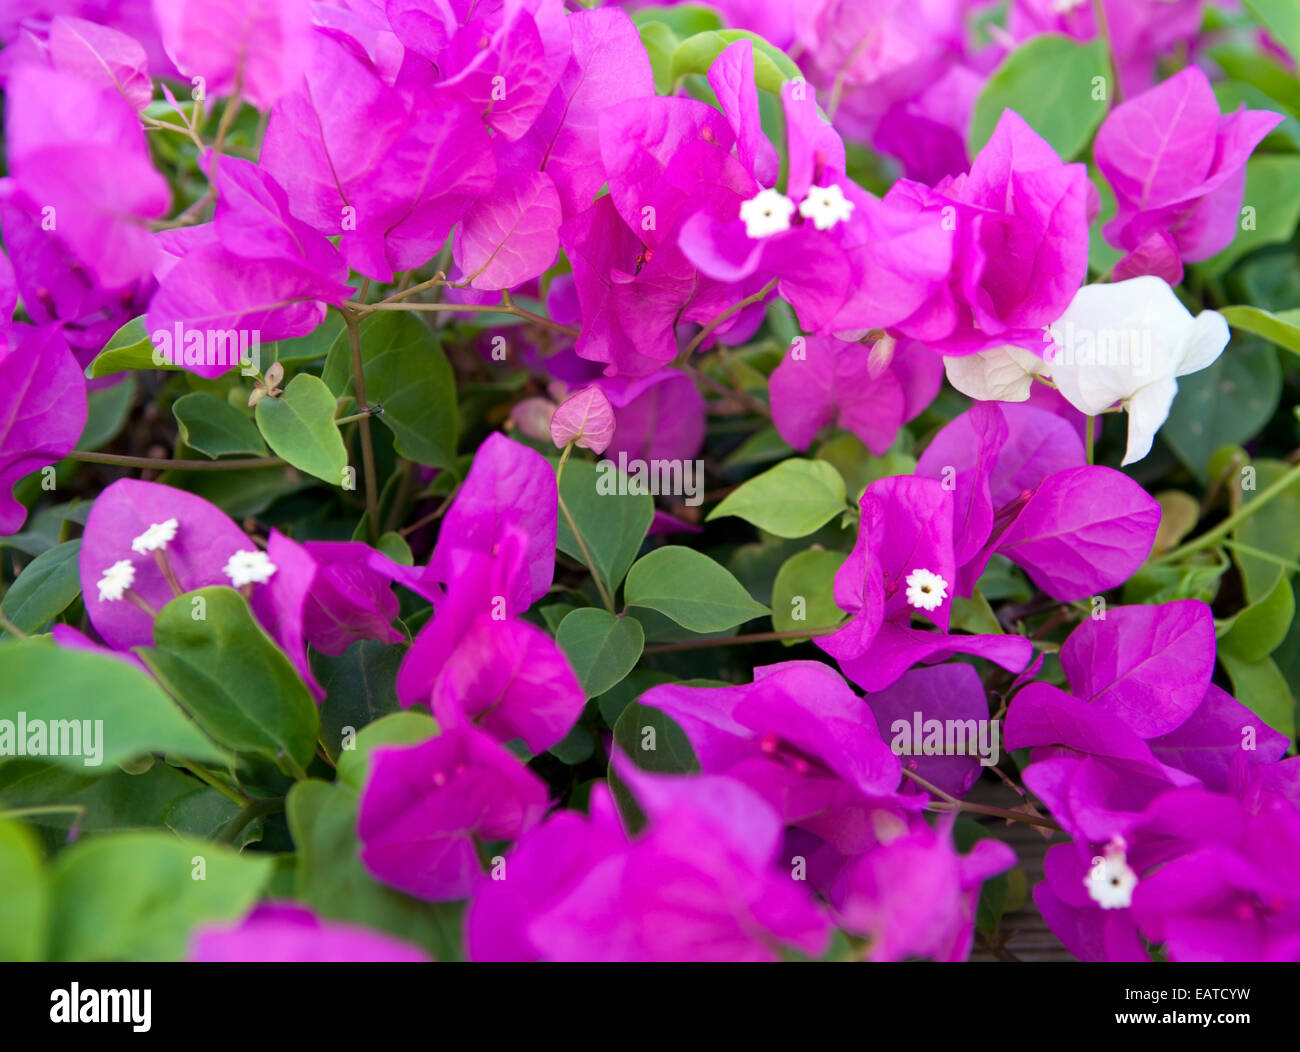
point(1025, 934)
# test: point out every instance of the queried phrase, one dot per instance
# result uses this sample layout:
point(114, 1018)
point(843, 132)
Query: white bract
point(1127, 343)
point(249, 567)
point(826, 206)
point(116, 580)
point(156, 537)
point(926, 590)
point(767, 213)
point(1003, 374)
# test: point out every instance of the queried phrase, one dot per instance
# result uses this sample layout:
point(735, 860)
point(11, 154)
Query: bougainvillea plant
point(528, 480)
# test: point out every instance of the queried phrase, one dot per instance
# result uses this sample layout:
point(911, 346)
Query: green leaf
point(205, 812)
point(1282, 19)
point(601, 648)
point(331, 879)
point(659, 42)
point(24, 894)
point(859, 467)
point(696, 54)
point(1161, 583)
point(762, 447)
point(400, 728)
point(1247, 377)
point(1252, 66)
point(654, 742)
point(395, 547)
point(612, 703)
point(1260, 628)
point(238, 684)
point(805, 585)
point(612, 524)
point(1179, 513)
point(360, 687)
point(1271, 529)
point(215, 427)
point(130, 348)
point(683, 19)
point(576, 747)
point(111, 798)
point(1281, 328)
point(315, 344)
point(45, 588)
point(1102, 255)
point(1274, 207)
point(1049, 81)
point(138, 896)
point(238, 493)
point(1233, 94)
point(299, 426)
point(790, 500)
point(106, 413)
point(1260, 686)
point(408, 375)
point(974, 615)
point(690, 588)
point(53, 684)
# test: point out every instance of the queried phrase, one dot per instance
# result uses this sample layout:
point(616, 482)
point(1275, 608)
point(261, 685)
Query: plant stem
point(164, 464)
point(209, 779)
point(252, 810)
point(752, 637)
point(1088, 438)
point(471, 308)
point(367, 445)
point(1258, 553)
point(951, 803)
point(605, 597)
point(1103, 31)
point(12, 628)
point(1234, 520)
point(734, 392)
point(735, 308)
point(45, 809)
point(438, 279)
point(433, 516)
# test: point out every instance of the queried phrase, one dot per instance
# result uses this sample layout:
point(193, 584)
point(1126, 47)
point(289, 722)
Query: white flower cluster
point(243, 568)
point(770, 211)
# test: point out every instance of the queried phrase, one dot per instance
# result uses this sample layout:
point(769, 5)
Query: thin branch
point(367, 444)
point(752, 637)
point(164, 464)
point(735, 308)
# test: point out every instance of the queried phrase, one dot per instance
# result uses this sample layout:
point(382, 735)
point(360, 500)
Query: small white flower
point(1110, 881)
point(767, 213)
point(826, 206)
point(156, 537)
point(926, 590)
point(249, 567)
point(116, 580)
point(1127, 342)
